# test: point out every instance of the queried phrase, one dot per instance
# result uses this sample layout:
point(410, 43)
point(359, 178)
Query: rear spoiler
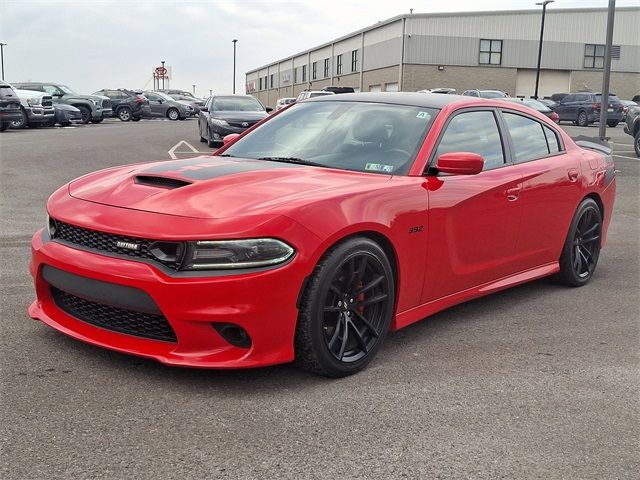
point(593, 143)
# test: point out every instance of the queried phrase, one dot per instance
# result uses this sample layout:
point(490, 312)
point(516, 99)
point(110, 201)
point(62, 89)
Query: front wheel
point(582, 120)
point(86, 114)
point(22, 122)
point(173, 114)
point(636, 143)
point(582, 246)
point(346, 309)
point(612, 124)
point(99, 120)
point(210, 142)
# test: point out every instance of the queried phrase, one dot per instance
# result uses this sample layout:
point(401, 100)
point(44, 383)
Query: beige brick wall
point(625, 85)
point(381, 76)
point(420, 77)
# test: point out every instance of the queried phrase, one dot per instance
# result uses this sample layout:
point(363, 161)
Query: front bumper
point(218, 131)
point(263, 303)
point(39, 115)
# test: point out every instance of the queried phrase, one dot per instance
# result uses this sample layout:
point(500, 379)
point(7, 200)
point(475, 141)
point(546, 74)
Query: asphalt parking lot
point(539, 381)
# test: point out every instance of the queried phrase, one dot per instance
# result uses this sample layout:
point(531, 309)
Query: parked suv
point(485, 93)
point(9, 106)
point(162, 105)
point(36, 109)
point(312, 93)
point(127, 104)
point(336, 89)
point(583, 108)
point(632, 126)
point(184, 96)
point(94, 108)
point(226, 114)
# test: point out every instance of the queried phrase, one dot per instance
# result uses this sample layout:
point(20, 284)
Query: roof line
point(439, 14)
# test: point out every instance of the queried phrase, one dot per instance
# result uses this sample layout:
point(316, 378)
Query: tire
point(612, 124)
point(136, 119)
point(582, 120)
point(636, 143)
point(86, 114)
point(182, 118)
point(97, 121)
point(346, 309)
point(4, 126)
point(581, 249)
point(173, 114)
point(23, 122)
point(210, 142)
point(65, 124)
point(124, 114)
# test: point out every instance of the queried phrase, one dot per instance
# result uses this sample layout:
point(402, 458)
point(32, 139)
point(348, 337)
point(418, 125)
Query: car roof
point(427, 100)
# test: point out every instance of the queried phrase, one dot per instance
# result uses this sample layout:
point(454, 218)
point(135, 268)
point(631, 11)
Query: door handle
point(513, 193)
point(573, 174)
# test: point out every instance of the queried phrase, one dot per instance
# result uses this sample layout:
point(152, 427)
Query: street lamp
point(544, 12)
point(194, 88)
point(163, 74)
point(2, 57)
point(234, 64)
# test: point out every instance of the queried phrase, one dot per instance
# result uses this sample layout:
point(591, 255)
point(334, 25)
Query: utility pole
point(544, 12)
point(2, 57)
point(606, 74)
point(234, 65)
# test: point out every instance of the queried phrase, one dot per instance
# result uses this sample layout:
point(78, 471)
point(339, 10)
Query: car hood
point(238, 116)
point(217, 187)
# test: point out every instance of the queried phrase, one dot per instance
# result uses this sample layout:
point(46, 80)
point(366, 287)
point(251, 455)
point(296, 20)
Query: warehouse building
point(483, 50)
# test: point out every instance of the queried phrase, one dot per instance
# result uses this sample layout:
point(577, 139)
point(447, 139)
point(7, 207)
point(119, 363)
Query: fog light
point(233, 334)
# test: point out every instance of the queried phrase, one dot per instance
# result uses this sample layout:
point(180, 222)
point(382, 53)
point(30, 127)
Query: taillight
point(625, 110)
point(555, 117)
point(139, 100)
point(595, 106)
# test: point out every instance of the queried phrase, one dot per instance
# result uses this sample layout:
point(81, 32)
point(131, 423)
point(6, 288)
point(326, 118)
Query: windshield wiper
point(295, 160)
point(225, 155)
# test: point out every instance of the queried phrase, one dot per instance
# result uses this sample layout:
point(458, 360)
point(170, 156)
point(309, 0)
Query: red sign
point(161, 71)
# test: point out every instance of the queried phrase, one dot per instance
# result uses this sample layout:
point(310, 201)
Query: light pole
point(234, 64)
point(163, 74)
point(2, 57)
point(194, 88)
point(544, 12)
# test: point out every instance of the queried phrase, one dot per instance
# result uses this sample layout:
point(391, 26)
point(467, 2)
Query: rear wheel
point(22, 121)
point(99, 120)
point(582, 247)
point(582, 120)
point(136, 119)
point(636, 143)
point(124, 114)
point(173, 114)
point(613, 124)
point(346, 309)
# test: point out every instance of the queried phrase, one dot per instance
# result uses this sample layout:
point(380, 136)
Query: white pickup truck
point(37, 109)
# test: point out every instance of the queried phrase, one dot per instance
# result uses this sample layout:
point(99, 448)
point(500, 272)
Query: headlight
point(227, 254)
point(96, 102)
point(219, 121)
point(51, 226)
point(34, 101)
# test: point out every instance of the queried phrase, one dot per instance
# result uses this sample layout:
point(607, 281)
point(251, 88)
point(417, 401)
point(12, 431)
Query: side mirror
point(230, 138)
point(269, 109)
point(460, 163)
point(204, 109)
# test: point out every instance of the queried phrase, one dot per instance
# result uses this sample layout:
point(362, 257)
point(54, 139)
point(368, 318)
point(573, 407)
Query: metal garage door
point(375, 88)
point(551, 81)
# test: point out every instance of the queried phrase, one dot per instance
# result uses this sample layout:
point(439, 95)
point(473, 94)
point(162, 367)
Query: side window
point(475, 132)
point(552, 140)
point(529, 138)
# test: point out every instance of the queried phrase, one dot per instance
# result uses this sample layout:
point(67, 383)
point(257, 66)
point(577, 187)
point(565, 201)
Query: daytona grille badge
point(128, 245)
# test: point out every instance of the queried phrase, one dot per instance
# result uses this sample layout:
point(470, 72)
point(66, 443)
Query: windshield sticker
point(423, 115)
point(378, 167)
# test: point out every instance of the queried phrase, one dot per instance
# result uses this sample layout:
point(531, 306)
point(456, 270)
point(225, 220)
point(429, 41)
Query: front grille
point(47, 101)
point(239, 124)
point(106, 103)
point(120, 320)
point(108, 242)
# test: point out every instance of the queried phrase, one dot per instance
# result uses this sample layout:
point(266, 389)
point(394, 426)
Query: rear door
point(474, 220)
point(551, 188)
point(156, 103)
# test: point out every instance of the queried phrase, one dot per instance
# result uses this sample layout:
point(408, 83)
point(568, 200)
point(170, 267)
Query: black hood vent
point(161, 182)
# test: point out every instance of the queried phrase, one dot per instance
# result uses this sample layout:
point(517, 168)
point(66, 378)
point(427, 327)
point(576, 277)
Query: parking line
point(623, 156)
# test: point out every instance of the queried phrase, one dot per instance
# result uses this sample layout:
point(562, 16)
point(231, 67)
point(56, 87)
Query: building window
point(304, 73)
point(593, 56)
point(314, 70)
point(326, 68)
point(354, 61)
point(260, 83)
point(295, 76)
point(265, 83)
point(339, 65)
point(490, 52)
point(271, 81)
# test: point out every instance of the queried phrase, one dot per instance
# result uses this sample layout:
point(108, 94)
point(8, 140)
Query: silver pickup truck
point(37, 109)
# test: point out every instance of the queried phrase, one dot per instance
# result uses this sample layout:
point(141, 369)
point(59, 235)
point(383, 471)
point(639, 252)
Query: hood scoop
point(160, 182)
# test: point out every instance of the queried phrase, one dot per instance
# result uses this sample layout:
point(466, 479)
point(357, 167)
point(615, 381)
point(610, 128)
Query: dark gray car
point(583, 108)
point(162, 105)
point(226, 114)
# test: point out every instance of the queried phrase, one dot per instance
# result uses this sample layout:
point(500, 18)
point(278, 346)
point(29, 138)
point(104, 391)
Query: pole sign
point(162, 72)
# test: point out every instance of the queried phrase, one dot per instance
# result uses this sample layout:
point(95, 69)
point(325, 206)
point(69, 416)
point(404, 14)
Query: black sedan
point(537, 106)
point(226, 114)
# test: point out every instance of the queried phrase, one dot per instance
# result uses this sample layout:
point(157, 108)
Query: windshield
point(319, 94)
point(236, 104)
point(612, 98)
point(364, 137)
point(491, 94)
point(66, 89)
point(164, 95)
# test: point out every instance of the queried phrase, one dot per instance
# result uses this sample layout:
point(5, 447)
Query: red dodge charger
point(318, 230)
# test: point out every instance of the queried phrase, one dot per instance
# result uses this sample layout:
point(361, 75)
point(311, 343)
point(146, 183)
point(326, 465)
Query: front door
point(473, 219)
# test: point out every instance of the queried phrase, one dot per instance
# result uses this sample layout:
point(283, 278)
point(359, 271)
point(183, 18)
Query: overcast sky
point(92, 44)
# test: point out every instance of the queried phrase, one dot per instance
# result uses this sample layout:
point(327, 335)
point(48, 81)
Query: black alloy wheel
point(124, 114)
point(86, 113)
point(210, 142)
point(583, 120)
point(346, 309)
point(582, 247)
